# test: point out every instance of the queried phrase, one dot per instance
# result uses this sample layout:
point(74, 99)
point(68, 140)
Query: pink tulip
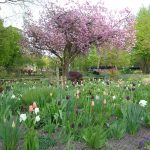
point(31, 108)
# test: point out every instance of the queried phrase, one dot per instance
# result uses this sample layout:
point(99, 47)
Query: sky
point(13, 14)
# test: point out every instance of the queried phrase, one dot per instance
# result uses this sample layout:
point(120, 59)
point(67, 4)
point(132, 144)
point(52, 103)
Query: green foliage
point(147, 119)
point(42, 62)
point(84, 62)
point(103, 58)
point(9, 45)
point(49, 128)
point(116, 110)
point(141, 54)
point(3, 72)
point(95, 137)
point(114, 57)
point(10, 132)
point(117, 129)
point(69, 144)
point(31, 141)
point(132, 114)
point(46, 142)
point(41, 95)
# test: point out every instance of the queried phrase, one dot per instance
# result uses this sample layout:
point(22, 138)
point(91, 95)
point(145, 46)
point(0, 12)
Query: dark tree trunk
point(146, 66)
point(65, 68)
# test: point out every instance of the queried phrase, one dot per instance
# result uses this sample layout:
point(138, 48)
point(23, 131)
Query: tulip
point(23, 117)
point(13, 125)
point(77, 112)
point(67, 97)
point(36, 110)
point(72, 125)
point(37, 118)
point(143, 103)
point(13, 96)
point(31, 108)
point(92, 104)
point(97, 97)
point(79, 125)
point(104, 101)
point(104, 93)
point(114, 97)
point(34, 105)
point(77, 96)
point(127, 97)
point(78, 92)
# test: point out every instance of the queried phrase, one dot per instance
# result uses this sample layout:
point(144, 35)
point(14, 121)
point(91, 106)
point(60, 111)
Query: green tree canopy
point(106, 57)
point(142, 51)
point(9, 45)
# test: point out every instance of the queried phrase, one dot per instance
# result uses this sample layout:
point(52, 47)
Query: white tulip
point(33, 87)
point(114, 97)
point(37, 118)
point(36, 110)
point(103, 83)
point(23, 117)
point(143, 103)
point(13, 96)
point(104, 93)
point(97, 97)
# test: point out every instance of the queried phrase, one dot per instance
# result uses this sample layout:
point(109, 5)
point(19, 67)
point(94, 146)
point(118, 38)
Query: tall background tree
point(141, 53)
point(117, 58)
point(10, 45)
point(70, 30)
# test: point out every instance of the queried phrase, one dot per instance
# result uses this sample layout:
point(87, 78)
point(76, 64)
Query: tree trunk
point(65, 67)
point(145, 66)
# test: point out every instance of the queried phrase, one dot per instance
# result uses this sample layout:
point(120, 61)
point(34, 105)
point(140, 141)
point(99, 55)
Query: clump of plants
point(95, 137)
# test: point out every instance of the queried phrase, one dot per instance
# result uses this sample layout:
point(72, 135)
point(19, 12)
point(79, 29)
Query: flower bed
point(93, 113)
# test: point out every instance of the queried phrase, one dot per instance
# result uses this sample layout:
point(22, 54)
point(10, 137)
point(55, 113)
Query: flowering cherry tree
point(70, 30)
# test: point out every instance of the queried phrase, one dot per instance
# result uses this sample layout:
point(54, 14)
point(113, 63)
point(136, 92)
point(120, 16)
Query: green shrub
point(117, 129)
point(147, 119)
point(133, 114)
point(95, 137)
point(3, 72)
point(39, 95)
point(31, 141)
point(10, 133)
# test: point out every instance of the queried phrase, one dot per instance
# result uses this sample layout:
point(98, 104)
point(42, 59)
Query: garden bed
point(106, 114)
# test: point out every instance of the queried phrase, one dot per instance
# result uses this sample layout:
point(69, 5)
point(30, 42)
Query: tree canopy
point(142, 51)
point(10, 38)
point(67, 31)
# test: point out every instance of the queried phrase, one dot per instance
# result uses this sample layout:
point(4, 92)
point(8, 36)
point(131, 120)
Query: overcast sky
point(13, 14)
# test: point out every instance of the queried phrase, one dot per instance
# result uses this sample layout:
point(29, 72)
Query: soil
point(129, 142)
point(0, 146)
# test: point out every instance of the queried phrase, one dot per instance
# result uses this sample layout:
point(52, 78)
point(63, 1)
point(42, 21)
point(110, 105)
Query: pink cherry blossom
point(67, 31)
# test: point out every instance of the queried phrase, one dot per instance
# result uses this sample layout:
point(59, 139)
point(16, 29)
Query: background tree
point(16, 1)
point(70, 30)
point(112, 57)
point(10, 45)
point(141, 53)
